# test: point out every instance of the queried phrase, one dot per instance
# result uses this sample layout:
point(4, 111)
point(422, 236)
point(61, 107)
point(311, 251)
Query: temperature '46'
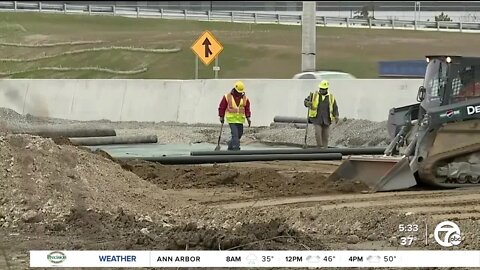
point(328, 258)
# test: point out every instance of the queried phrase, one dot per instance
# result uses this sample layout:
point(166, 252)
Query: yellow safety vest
point(312, 112)
point(235, 114)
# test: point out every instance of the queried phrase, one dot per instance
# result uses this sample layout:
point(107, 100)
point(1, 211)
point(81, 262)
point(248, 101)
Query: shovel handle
point(220, 135)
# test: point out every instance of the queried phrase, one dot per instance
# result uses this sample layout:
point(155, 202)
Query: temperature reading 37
point(407, 240)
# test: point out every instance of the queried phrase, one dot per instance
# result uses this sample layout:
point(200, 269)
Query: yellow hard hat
point(240, 87)
point(324, 84)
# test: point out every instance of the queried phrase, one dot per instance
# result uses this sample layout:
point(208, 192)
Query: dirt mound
point(41, 181)
point(272, 235)
point(264, 181)
point(90, 229)
point(61, 140)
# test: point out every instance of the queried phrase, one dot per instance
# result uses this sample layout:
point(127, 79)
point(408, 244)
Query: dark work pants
point(237, 132)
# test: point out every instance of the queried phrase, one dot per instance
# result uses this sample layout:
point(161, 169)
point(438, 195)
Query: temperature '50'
point(389, 258)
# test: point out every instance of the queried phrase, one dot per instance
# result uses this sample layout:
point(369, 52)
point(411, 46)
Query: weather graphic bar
point(343, 258)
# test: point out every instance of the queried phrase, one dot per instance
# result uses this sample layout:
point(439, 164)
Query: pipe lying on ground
point(237, 158)
point(343, 151)
point(284, 125)
point(66, 132)
point(114, 140)
point(290, 119)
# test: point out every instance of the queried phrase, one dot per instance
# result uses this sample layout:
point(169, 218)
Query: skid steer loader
point(435, 141)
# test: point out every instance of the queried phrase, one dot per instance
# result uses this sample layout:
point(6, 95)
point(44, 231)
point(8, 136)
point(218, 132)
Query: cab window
point(466, 85)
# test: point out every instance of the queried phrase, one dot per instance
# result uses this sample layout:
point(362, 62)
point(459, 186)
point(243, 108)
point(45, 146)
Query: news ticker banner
point(343, 258)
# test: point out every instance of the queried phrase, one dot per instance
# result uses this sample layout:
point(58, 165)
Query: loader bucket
point(378, 173)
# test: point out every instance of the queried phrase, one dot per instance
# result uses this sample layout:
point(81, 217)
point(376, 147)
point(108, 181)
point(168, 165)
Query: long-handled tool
point(219, 138)
point(308, 113)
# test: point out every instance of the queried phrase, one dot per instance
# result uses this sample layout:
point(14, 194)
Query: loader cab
point(449, 80)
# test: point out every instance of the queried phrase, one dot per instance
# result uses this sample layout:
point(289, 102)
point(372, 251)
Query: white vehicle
point(324, 75)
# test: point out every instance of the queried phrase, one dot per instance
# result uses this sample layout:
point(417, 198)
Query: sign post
point(216, 68)
point(196, 68)
point(207, 48)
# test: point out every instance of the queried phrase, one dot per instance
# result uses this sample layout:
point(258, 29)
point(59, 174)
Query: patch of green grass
point(250, 51)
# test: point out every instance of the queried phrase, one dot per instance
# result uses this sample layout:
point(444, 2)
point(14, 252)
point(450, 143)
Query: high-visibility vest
point(312, 112)
point(235, 114)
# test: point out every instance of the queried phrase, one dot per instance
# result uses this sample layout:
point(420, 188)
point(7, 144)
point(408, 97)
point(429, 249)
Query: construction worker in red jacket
point(235, 107)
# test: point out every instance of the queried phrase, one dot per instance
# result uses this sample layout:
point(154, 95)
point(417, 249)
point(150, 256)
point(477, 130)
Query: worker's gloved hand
point(249, 122)
point(308, 103)
point(222, 120)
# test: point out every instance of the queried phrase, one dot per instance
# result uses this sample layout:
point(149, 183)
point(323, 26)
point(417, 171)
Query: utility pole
point(415, 12)
point(419, 13)
point(309, 35)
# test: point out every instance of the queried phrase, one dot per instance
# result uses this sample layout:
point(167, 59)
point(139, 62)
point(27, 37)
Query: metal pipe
point(343, 151)
point(65, 132)
point(114, 140)
point(410, 150)
point(290, 119)
point(392, 146)
point(235, 158)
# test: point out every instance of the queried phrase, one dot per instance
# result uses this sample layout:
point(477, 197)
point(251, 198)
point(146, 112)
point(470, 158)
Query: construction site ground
point(58, 196)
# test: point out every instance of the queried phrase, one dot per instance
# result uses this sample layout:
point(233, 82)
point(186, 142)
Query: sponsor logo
point(450, 232)
point(56, 257)
point(450, 113)
point(473, 109)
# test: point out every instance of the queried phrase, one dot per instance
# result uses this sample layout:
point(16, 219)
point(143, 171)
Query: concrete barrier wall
point(196, 101)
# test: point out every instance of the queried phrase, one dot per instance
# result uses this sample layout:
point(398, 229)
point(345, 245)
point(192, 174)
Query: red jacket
point(237, 96)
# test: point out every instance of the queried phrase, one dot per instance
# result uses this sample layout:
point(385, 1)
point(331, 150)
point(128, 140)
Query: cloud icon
point(251, 258)
point(373, 259)
point(313, 259)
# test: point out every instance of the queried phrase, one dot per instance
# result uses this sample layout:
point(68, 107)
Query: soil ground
point(57, 196)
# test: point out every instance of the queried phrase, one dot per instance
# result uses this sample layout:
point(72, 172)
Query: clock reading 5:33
point(408, 227)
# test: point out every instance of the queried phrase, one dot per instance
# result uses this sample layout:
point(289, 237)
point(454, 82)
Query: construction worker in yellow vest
point(235, 106)
point(323, 111)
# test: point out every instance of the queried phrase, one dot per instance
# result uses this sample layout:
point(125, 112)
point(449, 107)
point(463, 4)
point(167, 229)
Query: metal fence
point(260, 6)
point(233, 16)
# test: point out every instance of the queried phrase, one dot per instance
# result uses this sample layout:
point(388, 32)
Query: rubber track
point(429, 168)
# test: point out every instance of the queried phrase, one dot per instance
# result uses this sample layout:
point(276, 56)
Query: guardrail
point(234, 16)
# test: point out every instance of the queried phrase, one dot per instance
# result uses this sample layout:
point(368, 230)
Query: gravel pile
point(10, 115)
point(11, 119)
point(350, 132)
point(360, 133)
point(347, 133)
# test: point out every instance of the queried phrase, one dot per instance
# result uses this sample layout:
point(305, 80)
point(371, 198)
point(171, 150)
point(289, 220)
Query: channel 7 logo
point(447, 234)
